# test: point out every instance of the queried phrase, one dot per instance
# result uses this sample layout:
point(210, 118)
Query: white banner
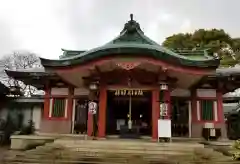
point(92, 107)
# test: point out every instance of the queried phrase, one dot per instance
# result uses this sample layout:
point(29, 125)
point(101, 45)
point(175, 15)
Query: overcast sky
point(46, 26)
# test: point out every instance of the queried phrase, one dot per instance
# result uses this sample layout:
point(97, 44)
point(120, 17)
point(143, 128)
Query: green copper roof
point(70, 53)
point(131, 41)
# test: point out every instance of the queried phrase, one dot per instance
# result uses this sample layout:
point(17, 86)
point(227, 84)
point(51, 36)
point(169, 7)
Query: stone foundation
point(23, 142)
point(197, 129)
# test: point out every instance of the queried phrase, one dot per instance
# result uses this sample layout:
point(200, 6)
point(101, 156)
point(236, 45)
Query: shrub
point(7, 128)
point(236, 153)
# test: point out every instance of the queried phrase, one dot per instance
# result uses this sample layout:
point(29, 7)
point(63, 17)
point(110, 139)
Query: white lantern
point(163, 86)
point(93, 86)
point(13, 89)
point(163, 109)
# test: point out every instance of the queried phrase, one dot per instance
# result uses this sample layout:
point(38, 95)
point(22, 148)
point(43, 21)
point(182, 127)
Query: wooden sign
point(125, 92)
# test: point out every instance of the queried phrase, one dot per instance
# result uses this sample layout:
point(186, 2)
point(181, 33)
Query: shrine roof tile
point(130, 41)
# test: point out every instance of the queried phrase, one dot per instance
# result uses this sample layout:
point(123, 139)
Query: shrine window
point(207, 110)
point(58, 108)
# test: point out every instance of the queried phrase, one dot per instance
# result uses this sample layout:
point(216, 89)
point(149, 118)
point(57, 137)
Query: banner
point(125, 92)
point(92, 107)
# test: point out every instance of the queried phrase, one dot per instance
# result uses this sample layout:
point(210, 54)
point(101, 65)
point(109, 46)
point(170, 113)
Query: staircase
point(127, 147)
point(75, 151)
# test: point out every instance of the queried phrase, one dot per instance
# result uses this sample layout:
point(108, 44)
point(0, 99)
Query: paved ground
point(3, 151)
point(218, 143)
point(199, 154)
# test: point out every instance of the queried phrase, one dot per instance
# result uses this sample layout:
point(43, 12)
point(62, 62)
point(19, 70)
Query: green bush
point(7, 128)
point(236, 153)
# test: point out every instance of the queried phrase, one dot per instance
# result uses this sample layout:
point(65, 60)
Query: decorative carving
point(131, 17)
point(131, 26)
point(132, 33)
point(128, 65)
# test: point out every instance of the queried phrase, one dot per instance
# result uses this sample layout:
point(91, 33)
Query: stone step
point(80, 157)
point(110, 158)
point(72, 157)
point(36, 156)
point(104, 152)
point(135, 147)
point(125, 143)
point(33, 159)
point(89, 156)
point(125, 151)
point(87, 147)
point(187, 145)
point(105, 160)
point(100, 154)
point(58, 161)
point(129, 150)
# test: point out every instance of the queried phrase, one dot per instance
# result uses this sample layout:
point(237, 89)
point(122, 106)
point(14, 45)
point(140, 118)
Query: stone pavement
point(69, 151)
point(3, 151)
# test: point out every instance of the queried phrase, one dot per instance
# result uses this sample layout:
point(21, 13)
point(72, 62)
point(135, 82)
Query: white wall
point(27, 115)
point(206, 93)
point(64, 91)
point(178, 92)
point(59, 91)
point(81, 91)
point(37, 116)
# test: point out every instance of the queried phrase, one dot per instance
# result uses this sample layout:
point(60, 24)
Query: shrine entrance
point(180, 117)
point(129, 113)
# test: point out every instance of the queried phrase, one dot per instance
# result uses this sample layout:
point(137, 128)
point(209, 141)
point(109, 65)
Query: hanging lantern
point(93, 86)
point(163, 86)
point(13, 89)
point(128, 65)
point(59, 84)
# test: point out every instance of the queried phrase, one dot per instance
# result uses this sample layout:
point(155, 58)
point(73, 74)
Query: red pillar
point(220, 106)
point(102, 112)
point(46, 102)
point(194, 105)
point(155, 112)
point(70, 103)
point(90, 119)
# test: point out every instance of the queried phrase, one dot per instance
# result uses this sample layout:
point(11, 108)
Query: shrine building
point(132, 78)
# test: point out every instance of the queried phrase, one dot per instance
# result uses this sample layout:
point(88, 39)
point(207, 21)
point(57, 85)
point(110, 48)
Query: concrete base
point(23, 142)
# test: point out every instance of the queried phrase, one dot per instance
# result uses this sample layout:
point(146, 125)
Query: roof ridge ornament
point(131, 17)
point(131, 26)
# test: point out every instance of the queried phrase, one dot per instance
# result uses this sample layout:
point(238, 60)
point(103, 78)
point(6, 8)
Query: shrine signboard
point(128, 92)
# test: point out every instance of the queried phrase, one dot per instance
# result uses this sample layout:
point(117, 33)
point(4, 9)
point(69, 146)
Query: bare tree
point(19, 61)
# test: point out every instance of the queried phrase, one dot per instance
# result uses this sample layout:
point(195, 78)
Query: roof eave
point(19, 74)
point(150, 52)
point(35, 79)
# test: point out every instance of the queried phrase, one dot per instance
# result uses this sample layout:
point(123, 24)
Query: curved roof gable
point(130, 41)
